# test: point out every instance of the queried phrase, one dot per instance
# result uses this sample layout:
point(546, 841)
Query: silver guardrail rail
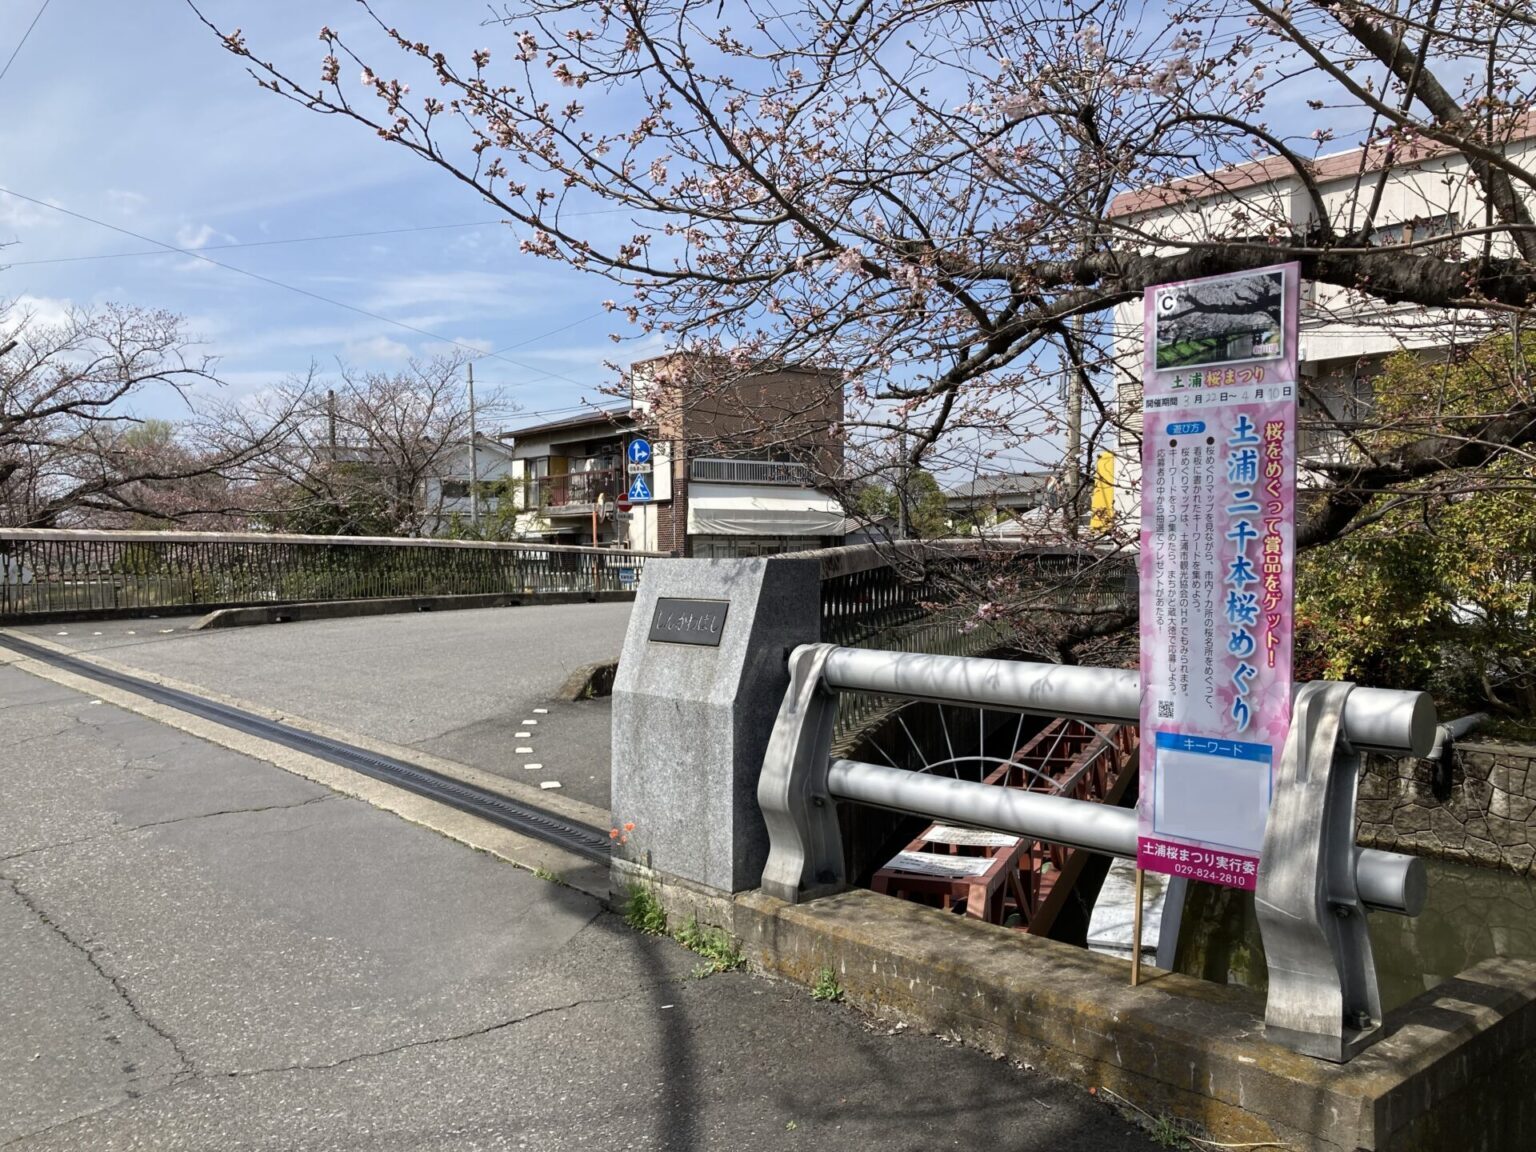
point(1315, 884)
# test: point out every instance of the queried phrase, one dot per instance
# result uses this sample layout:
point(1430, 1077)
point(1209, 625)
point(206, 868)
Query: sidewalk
point(203, 951)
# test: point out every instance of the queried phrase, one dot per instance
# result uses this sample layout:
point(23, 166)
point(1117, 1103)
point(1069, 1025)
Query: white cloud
point(467, 292)
point(34, 312)
point(251, 386)
point(625, 352)
point(22, 214)
point(126, 203)
point(199, 236)
point(457, 344)
point(377, 348)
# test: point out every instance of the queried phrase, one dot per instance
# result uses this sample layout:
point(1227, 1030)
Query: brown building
point(739, 464)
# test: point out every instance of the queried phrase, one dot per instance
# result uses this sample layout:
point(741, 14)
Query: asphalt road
point(203, 951)
point(456, 684)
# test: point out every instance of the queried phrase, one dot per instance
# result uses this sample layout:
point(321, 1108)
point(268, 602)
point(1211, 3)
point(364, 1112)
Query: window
point(496, 489)
point(1332, 405)
point(1419, 229)
point(455, 489)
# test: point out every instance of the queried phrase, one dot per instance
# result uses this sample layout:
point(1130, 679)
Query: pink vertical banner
point(1218, 544)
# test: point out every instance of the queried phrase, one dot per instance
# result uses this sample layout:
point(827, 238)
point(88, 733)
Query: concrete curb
point(590, 681)
point(346, 609)
point(1176, 1046)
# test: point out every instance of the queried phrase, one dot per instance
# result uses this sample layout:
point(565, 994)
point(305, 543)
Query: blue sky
point(131, 113)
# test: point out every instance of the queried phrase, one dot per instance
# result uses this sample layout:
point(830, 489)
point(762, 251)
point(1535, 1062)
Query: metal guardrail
point(45, 571)
point(1314, 883)
point(573, 491)
point(870, 593)
point(727, 471)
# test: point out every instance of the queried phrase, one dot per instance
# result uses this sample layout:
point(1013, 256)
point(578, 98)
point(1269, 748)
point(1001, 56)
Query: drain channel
point(583, 839)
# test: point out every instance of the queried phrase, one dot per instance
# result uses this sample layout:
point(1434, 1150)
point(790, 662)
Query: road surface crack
point(231, 812)
point(162, 823)
point(36, 1133)
point(187, 1068)
point(430, 1041)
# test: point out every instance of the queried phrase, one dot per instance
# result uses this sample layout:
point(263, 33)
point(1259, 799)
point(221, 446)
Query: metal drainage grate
point(583, 839)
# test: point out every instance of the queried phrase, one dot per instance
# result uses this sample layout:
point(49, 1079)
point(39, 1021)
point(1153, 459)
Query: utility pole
point(474, 456)
point(1077, 384)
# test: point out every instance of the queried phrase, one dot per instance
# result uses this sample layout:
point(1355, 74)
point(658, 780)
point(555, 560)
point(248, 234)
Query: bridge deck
point(204, 951)
point(457, 685)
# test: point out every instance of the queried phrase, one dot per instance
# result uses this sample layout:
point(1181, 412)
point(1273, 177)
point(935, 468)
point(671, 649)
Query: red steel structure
point(1010, 880)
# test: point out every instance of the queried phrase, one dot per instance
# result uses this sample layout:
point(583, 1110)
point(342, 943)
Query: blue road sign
point(639, 490)
point(640, 452)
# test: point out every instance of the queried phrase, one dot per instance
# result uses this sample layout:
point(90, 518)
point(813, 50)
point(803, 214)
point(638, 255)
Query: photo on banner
point(1218, 541)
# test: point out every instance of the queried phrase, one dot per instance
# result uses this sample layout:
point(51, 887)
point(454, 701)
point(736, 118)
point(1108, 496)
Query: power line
point(253, 243)
point(196, 255)
point(292, 240)
point(551, 332)
point(24, 36)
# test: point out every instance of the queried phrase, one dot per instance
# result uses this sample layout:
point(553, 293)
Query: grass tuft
point(827, 989)
point(718, 949)
point(644, 913)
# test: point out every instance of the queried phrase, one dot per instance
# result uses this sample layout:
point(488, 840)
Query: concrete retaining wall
point(1482, 812)
point(390, 605)
point(1452, 1075)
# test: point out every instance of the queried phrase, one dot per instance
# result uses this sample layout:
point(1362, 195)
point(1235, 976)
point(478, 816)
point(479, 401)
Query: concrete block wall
point(1484, 814)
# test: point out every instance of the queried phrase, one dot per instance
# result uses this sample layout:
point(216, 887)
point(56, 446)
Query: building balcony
point(572, 494)
point(719, 470)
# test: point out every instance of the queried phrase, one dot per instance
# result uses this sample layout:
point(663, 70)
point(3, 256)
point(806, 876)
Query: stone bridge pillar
point(700, 681)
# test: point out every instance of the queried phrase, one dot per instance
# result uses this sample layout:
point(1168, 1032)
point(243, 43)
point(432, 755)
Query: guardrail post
point(805, 847)
point(1323, 997)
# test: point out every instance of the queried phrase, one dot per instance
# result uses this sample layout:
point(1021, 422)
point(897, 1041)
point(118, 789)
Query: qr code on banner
point(1165, 709)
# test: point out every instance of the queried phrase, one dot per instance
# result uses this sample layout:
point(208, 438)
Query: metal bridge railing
point(901, 597)
point(1314, 883)
point(44, 572)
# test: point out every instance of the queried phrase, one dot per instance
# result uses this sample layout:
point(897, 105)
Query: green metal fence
point(57, 572)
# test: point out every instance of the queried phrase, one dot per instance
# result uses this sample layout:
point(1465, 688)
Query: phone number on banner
point(1202, 864)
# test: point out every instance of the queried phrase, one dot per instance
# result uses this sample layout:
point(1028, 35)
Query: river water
point(1471, 914)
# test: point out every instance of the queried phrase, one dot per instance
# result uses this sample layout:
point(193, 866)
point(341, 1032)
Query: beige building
point(1344, 335)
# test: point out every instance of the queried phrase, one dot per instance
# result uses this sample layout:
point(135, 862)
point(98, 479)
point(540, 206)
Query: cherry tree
point(933, 197)
point(73, 452)
point(360, 451)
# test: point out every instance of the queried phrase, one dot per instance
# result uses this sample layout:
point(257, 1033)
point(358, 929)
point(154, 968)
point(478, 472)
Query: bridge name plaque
point(679, 621)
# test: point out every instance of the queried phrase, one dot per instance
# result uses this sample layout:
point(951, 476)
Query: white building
point(447, 497)
point(1344, 335)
